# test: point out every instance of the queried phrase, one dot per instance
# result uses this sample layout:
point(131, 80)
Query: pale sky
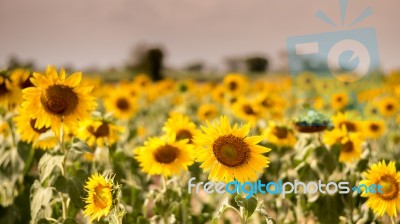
point(101, 33)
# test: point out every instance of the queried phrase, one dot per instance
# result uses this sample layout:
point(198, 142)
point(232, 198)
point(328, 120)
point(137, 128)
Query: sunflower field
point(76, 149)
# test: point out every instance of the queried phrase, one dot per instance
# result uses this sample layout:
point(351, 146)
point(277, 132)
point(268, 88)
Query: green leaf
point(70, 220)
point(40, 201)
point(75, 188)
point(61, 184)
point(249, 205)
point(48, 163)
point(81, 147)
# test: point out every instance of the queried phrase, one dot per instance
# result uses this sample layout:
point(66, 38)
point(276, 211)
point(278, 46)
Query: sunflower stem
point(392, 220)
point(164, 180)
point(64, 199)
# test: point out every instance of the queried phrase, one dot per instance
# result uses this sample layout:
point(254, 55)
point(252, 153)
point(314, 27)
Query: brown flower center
point(59, 100)
point(390, 188)
point(3, 89)
point(233, 86)
point(350, 126)
point(38, 130)
point(166, 154)
point(184, 134)
point(374, 127)
point(248, 110)
point(389, 107)
point(102, 131)
point(267, 103)
point(348, 146)
point(27, 83)
point(280, 132)
point(123, 104)
point(231, 151)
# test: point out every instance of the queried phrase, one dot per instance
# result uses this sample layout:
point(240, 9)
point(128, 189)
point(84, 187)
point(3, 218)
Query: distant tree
point(14, 62)
point(195, 67)
point(256, 64)
point(147, 60)
point(154, 63)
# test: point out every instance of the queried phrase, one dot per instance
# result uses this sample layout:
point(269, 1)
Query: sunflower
point(207, 112)
point(373, 129)
point(99, 198)
point(387, 201)
point(371, 110)
point(339, 101)
point(99, 132)
point(228, 153)
point(142, 80)
point(121, 104)
point(247, 111)
point(21, 78)
point(9, 96)
point(218, 94)
point(56, 99)
point(348, 143)
point(235, 84)
point(388, 106)
point(279, 135)
point(180, 126)
point(164, 155)
point(27, 128)
point(306, 81)
point(346, 119)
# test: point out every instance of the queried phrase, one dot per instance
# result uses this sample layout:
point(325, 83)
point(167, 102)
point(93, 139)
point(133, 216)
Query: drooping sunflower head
point(388, 200)
point(180, 126)
point(235, 83)
point(228, 153)
point(121, 104)
point(339, 101)
point(99, 132)
point(56, 98)
point(99, 200)
point(164, 155)
point(388, 106)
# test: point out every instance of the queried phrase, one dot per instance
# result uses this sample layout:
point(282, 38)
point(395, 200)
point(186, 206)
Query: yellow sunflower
point(235, 84)
point(21, 78)
point(142, 80)
point(99, 198)
point(373, 129)
point(218, 94)
point(228, 153)
point(388, 106)
point(99, 132)
point(180, 126)
point(306, 81)
point(279, 135)
point(121, 104)
point(349, 143)
point(339, 101)
point(164, 155)
point(387, 201)
point(207, 112)
point(346, 119)
point(9, 96)
point(30, 133)
point(56, 99)
point(247, 111)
